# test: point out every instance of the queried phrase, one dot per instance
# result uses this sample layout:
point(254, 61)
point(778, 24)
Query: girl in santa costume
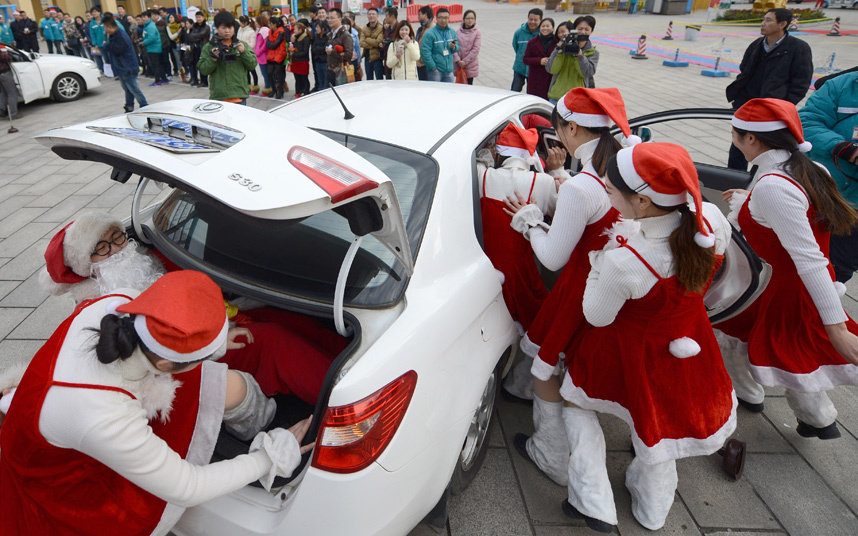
point(650, 356)
point(286, 353)
point(114, 423)
point(796, 334)
point(515, 147)
point(582, 120)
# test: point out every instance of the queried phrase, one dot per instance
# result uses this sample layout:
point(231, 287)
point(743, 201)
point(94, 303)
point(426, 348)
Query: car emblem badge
point(208, 107)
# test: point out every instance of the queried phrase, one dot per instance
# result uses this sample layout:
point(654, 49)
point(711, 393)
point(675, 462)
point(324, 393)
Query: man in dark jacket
point(340, 46)
point(159, 17)
point(124, 62)
point(391, 21)
point(776, 66)
point(200, 34)
point(26, 33)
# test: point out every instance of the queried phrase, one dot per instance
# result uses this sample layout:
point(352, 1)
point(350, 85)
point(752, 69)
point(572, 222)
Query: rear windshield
point(302, 257)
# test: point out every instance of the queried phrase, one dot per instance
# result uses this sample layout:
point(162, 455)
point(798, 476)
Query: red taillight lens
point(336, 180)
point(352, 437)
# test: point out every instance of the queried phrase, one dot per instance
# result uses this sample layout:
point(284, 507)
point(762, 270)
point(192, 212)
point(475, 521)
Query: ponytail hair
point(694, 264)
point(607, 147)
point(835, 214)
point(117, 338)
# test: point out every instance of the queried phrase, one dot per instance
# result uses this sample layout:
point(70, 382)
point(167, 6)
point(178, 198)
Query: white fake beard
point(130, 268)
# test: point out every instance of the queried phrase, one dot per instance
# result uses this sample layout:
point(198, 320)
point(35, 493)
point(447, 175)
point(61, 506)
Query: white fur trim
point(111, 306)
point(171, 355)
point(81, 237)
point(736, 201)
point(501, 277)
point(589, 120)
point(621, 227)
point(704, 241)
point(805, 146)
point(529, 348)
point(825, 378)
point(684, 347)
point(11, 375)
point(633, 180)
point(156, 395)
point(524, 154)
point(758, 126)
point(6, 401)
point(633, 140)
point(519, 329)
point(528, 217)
point(542, 370)
point(840, 288)
point(664, 450)
point(52, 287)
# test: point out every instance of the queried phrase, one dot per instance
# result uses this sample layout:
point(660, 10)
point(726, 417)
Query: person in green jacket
point(439, 44)
point(830, 122)
point(152, 44)
point(52, 31)
point(520, 38)
point(96, 37)
point(227, 78)
point(571, 71)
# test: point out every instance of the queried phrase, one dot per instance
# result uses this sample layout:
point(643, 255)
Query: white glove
point(527, 218)
point(282, 449)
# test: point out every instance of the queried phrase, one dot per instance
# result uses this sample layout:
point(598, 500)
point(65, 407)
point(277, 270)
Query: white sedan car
point(60, 77)
point(371, 224)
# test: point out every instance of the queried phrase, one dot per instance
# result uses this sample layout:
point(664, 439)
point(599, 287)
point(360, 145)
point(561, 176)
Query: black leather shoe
point(750, 406)
point(520, 444)
point(829, 432)
point(593, 523)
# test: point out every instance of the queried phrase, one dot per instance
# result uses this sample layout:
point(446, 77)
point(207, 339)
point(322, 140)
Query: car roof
point(434, 110)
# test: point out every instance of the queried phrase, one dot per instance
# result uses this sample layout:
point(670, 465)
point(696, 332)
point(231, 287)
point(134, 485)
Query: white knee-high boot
point(253, 414)
point(735, 355)
point(548, 447)
point(652, 487)
point(519, 381)
point(815, 409)
point(589, 487)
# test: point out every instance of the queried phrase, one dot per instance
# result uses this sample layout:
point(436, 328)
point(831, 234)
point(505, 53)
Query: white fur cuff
point(542, 370)
point(528, 217)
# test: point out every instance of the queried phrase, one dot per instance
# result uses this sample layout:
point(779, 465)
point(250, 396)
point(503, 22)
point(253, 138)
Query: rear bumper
point(372, 501)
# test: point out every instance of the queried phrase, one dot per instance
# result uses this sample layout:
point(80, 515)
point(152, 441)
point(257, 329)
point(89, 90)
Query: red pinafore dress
point(510, 253)
point(675, 407)
point(46, 489)
point(787, 342)
point(561, 316)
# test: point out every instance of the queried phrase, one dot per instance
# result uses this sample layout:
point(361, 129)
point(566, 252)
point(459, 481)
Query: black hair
point(224, 18)
point(91, 10)
point(566, 24)
point(607, 147)
point(164, 9)
point(442, 10)
point(782, 15)
point(426, 10)
point(393, 12)
point(837, 216)
point(589, 19)
point(535, 11)
point(304, 22)
point(549, 19)
point(117, 338)
point(109, 21)
point(694, 264)
point(471, 12)
point(376, 9)
point(336, 10)
point(314, 8)
point(277, 21)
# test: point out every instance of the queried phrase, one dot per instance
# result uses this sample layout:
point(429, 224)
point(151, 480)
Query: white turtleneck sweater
point(778, 204)
point(580, 201)
point(113, 428)
point(618, 275)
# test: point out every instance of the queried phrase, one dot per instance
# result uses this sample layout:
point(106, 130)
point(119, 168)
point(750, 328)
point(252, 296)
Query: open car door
point(213, 148)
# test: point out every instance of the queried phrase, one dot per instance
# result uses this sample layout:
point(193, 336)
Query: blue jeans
point(132, 90)
point(518, 81)
point(374, 69)
point(99, 62)
point(320, 75)
point(438, 76)
point(264, 69)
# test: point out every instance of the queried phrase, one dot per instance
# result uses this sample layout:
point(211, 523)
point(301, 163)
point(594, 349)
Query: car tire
point(67, 87)
point(476, 444)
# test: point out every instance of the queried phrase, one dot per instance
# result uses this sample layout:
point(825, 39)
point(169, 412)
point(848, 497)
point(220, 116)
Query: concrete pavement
point(791, 485)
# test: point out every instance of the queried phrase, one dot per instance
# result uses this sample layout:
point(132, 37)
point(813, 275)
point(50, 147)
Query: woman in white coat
point(403, 53)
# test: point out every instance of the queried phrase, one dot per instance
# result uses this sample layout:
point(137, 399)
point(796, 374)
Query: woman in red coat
point(536, 56)
point(277, 55)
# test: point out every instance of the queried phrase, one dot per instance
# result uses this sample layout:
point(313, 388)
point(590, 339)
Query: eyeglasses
point(102, 247)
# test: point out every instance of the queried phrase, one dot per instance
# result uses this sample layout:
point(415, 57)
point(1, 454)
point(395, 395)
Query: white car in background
point(365, 220)
point(60, 77)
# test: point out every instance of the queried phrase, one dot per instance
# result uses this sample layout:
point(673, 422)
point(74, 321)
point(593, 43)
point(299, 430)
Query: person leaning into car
point(227, 79)
point(8, 91)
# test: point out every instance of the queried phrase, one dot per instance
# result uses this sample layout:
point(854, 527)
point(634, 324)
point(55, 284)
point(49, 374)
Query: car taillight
point(338, 181)
point(352, 437)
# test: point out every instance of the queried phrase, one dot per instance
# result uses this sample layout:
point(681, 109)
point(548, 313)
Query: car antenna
point(348, 115)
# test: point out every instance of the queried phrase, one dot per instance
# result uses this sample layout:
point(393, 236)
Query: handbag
point(340, 76)
point(73, 41)
point(289, 67)
point(461, 75)
point(359, 73)
point(350, 72)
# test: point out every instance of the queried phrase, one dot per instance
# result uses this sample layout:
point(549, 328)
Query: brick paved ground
point(791, 485)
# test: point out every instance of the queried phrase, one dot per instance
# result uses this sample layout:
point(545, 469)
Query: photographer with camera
point(574, 60)
point(226, 60)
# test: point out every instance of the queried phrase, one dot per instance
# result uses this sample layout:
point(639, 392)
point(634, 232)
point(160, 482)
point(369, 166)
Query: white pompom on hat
point(596, 108)
point(768, 115)
point(516, 141)
point(665, 173)
point(180, 317)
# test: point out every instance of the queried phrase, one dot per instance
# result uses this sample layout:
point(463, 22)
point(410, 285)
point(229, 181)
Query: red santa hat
point(768, 115)
point(516, 141)
point(67, 257)
point(52, 11)
point(665, 173)
point(181, 317)
point(596, 108)
point(2, 47)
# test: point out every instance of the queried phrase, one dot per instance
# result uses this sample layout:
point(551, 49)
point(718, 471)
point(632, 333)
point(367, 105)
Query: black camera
point(573, 42)
point(386, 42)
point(225, 53)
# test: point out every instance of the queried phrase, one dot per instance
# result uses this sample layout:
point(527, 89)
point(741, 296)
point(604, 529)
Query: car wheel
point(67, 87)
point(476, 442)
